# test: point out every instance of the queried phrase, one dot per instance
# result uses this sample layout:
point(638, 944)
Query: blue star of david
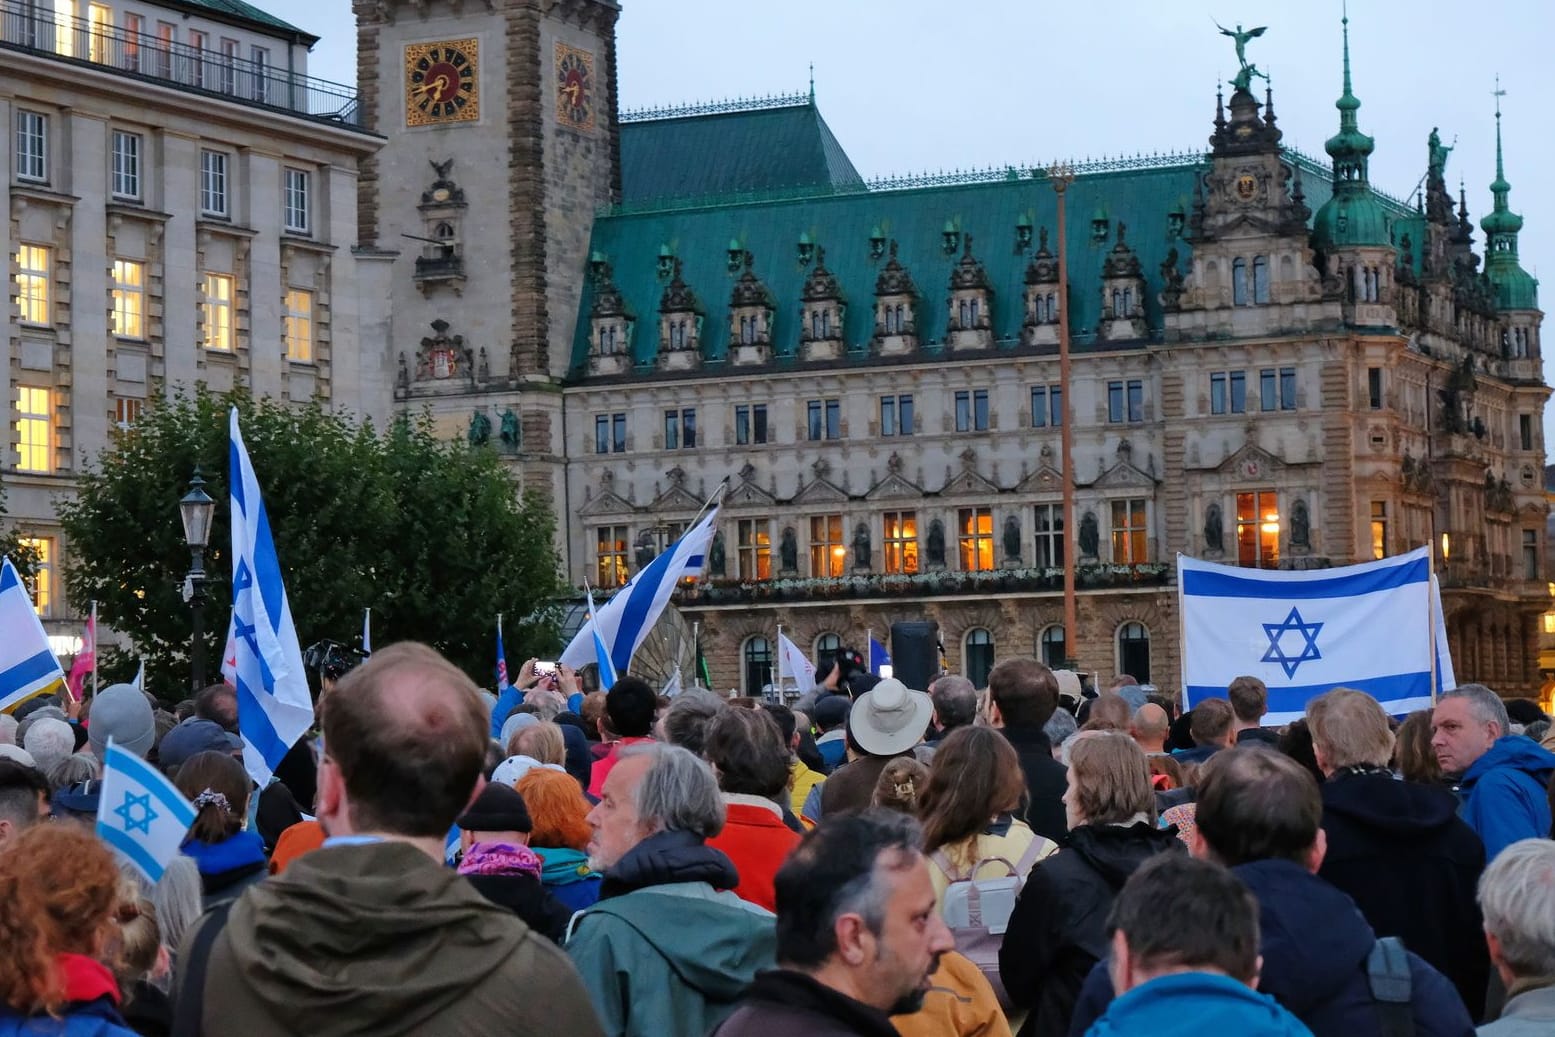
point(1293, 624)
point(131, 802)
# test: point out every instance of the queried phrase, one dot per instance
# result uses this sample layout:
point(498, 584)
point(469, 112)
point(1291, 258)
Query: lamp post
point(1062, 176)
point(195, 509)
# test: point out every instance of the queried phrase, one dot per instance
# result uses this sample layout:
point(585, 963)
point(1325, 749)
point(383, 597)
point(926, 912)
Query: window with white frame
point(213, 183)
point(41, 586)
point(32, 145)
point(126, 164)
point(100, 28)
point(299, 325)
point(33, 270)
point(1049, 529)
point(34, 437)
point(259, 59)
point(216, 311)
point(126, 410)
point(296, 201)
point(129, 298)
point(901, 541)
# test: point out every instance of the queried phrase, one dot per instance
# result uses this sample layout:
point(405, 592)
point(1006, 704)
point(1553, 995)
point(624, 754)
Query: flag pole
point(1430, 612)
point(779, 647)
point(94, 649)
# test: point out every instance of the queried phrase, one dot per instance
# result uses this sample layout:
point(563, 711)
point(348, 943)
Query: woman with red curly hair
point(59, 893)
point(559, 814)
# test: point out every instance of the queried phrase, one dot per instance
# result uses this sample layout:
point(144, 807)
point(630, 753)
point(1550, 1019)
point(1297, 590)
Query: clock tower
point(501, 142)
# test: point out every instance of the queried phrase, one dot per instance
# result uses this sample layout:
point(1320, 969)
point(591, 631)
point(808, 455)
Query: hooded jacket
point(90, 1009)
point(1412, 866)
point(229, 867)
point(1058, 929)
point(1504, 796)
point(1191, 1004)
point(668, 950)
point(565, 872)
point(379, 939)
point(1314, 945)
point(784, 1003)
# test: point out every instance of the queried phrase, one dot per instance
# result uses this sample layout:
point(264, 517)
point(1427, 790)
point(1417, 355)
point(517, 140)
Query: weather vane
point(1244, 77)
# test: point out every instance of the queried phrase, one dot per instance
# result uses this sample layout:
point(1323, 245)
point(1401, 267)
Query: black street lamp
point(196, 508)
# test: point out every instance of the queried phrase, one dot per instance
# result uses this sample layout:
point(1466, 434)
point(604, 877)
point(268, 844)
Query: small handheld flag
point(28, 667)
point(878, 656)
point(140, 813)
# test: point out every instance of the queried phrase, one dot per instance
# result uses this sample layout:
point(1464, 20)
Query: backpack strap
point(189, 999)
point(1387, 973)
point(1028, 860)
point(943, 862)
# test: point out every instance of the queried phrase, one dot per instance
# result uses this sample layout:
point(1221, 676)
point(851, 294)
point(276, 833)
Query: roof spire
point(812, 82)
point(1515, 290)
point(1349, 147)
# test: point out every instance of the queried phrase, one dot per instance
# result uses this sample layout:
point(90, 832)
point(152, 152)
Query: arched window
point(1134, 651)
point(1260, 279)
point(1239, 282)
point(825, 651)
point(1054, 652)
point(757, 668)
point(1128, 302)
point(977, 656)
point(1118, 305)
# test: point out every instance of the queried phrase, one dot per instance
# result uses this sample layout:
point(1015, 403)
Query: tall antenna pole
point(1062, 175)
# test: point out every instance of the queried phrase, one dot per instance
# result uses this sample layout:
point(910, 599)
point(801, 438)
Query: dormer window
point(678, 334)
point(893, 318)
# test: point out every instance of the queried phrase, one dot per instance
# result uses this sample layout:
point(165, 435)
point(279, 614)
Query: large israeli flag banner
point(274, 707)
point(1370, 627)
point(28, 667)
point(140, 813)
point(622, 623)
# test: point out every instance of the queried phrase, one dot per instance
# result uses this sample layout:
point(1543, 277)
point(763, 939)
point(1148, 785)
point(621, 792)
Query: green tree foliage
point(433, 536)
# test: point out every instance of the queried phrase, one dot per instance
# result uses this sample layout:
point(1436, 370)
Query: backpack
point(977, 911)
point(1387, 974)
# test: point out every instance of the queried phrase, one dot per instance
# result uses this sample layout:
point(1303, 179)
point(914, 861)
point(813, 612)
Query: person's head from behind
point(1212, 721)
point(955, 702)
point(557, 810)
point(856, 910)
point(404, 744)
point(543, 742)
point(975, 776)
point(1413, 757)
point(685, 722)
point(218, 786)
point(1060, 727)
point(787, 722)
point(1024, 693)
point(218, 703)
point(1249, 698)
point(50, 741)
point(1464, 724)
point(59, 888)
point(8, 726)
point(630, 706)
point(1517, 899)
point(24, 800)
point(747, 752)
point(593, 713)
point(1256, 805)
point(1165, 772)
point(1349, 729)
point(547, 702)
point(653, 789)
point(1110, 712)
point(900, 785)
point(72, 770)
point(1148, 727)
point(1211, 925)
point(1109, 781)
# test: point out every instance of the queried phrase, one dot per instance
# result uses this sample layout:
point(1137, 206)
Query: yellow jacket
point(960, 1004)
point(1012, 846)
point(804, 779)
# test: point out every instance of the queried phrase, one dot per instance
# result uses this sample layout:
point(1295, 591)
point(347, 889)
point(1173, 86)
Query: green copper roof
point(1516, 289)
point(237, 10)
point(1354, 216)
point(784, 146)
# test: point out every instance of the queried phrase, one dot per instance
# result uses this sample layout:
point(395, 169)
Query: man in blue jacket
point(1259, 814)
point(1502, 777)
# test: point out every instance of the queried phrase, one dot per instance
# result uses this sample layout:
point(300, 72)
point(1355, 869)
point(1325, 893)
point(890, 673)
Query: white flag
point(796, 664)
point(140, 813)
point(28, 666)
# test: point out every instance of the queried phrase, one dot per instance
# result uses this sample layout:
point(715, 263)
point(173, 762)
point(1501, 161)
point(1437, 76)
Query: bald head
point(1149, 726)
point(407, 732)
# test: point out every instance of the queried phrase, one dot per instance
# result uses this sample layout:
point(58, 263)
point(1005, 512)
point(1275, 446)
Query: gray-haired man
point(1517, 895)
point(668, 949)
point(1501, 777)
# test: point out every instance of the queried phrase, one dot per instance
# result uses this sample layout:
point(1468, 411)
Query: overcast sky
point(914, 85)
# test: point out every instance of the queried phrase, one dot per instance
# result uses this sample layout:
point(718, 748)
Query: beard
point(907, 1004)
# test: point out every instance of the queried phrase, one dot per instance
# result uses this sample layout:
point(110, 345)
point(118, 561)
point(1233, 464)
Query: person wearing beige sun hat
point(886, 722)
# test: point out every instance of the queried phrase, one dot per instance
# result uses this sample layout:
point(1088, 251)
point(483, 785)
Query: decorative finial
point(812, 82)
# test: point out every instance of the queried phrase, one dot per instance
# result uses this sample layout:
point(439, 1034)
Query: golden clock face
point(442, 82)
point(574, 87)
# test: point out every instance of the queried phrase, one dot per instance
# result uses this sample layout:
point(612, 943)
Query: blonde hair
point(542, 741)
point(140, 938)
point(1350, 728)
point(1111, 778)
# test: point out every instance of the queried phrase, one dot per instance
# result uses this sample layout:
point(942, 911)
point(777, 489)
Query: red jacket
point(757, 841)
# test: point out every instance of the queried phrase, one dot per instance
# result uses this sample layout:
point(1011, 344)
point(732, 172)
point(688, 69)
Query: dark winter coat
point(782, 1003)
point(1046, 782)
point(1059, 927)
point(523, 895)
point(1411, 865)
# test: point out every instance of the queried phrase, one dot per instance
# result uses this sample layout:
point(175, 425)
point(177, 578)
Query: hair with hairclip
point(211, 796)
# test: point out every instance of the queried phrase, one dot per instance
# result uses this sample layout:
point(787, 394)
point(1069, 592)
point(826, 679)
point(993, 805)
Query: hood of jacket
point(1399, 809)
point(1193, 1003)
point(1313, 936)
point(1517, 752)
point(377, 930)
point(242, 851)
point(1117, 851)
point(562, 865)
point(667, 857)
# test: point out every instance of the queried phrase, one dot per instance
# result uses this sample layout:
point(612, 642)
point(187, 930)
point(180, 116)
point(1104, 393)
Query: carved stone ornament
point(894, 278)
point(443, 356)
point(969, 272)
point(821, 285)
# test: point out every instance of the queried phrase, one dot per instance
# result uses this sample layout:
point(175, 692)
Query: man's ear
point(1257, 973)
point(995, 718)
point(1318, 851)
point(1120, 966)
point(1196, 844)
point(855, 942)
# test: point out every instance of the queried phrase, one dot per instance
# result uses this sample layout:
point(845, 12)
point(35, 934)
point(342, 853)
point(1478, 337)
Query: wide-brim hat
point(890, 718)
point(1068, 687)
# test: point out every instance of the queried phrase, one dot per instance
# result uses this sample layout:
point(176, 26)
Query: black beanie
point(499, 808)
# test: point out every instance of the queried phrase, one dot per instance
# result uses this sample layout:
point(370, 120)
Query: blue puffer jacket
point(1504, 797)
point(97, 1018)
point(1191, 1004)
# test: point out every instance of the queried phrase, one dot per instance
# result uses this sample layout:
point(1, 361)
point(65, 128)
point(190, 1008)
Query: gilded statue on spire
point(1244, 77)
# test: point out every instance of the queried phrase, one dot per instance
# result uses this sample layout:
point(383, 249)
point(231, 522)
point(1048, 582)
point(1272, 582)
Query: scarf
point(500, 859)
point(86, 979)
point(562, 866)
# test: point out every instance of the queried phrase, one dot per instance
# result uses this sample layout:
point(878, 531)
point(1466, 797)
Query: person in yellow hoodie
point(960, 1003)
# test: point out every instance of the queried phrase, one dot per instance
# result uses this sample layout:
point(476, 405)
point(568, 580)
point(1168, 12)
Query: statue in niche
point(482, 367)
point(861, 547)
point(936, 544)
point(1214, 530)
point(717, 559)
point(644, 552)
point(1012, 537)
point(1300, 525)
point(509, 433)
point(788, 551)
point(402, 380)
point(480, 429)
point(1090, 536)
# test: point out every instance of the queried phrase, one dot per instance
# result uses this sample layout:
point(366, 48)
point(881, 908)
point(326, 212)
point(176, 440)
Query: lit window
point(298, 190)
point(213, 183)
point(134, 26)
point(754, 549)
point(34, 442)
point(129, 298)
point(901, 542)
point(299, 325)
point(100, 22)
point(126, 410)
point(612, 546)
point(1130, 540)
point(32, 145)
point(41, 586)
point(827, 551)
point(1258, 529)
point(32, 283)
point(1379, 529)
point(976, 539)
point(126, 164)
point(217, 312)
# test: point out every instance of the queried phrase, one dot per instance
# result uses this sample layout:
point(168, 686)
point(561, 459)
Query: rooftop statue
point(1244, 77)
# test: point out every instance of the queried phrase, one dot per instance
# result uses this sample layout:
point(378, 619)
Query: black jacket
point(782, 1003)
point(1046, 781)
point(1059, 927)
point(523, 895)
point(1411, 865)
point(1314, 944)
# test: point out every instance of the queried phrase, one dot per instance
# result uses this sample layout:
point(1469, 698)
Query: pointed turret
point(1353, 216)
point(1515, 288)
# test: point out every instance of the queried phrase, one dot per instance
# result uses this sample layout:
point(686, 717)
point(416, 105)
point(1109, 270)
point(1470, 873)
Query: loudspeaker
point(915, 653)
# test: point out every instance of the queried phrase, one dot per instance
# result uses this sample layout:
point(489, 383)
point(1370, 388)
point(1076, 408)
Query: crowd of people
point(1031, 858)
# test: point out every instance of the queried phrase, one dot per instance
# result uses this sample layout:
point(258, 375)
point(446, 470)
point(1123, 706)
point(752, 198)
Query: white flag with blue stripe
point(140, 813)
point(28, 666)
point(622, 623)
point(1369, 627)
point(274, 707)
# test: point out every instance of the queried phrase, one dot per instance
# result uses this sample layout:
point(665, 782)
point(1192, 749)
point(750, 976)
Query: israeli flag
point(1370, 627)
point(274, 707)
point(28, 667)
point(607, 666)
point(140, 813)
point(623, 622)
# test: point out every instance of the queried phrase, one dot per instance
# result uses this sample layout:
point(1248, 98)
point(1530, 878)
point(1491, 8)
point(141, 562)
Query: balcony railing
point(729, 591)
point(34, 29)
